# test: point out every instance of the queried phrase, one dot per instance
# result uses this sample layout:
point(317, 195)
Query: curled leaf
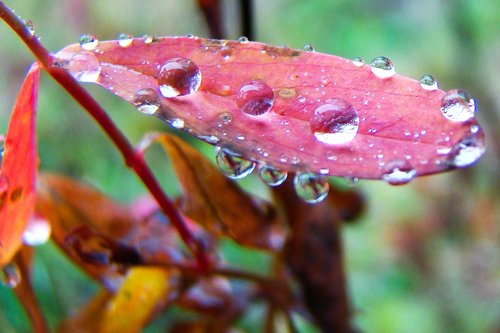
point(291, 109)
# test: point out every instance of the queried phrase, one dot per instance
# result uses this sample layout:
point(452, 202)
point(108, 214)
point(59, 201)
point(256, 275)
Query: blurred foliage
point(424, 258)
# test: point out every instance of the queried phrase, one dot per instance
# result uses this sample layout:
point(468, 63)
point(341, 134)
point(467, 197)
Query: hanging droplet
point(309, 48)
point(468, 151)
point(88, 42)
point(358, 62)
point(10, 276)
point(428, 82)
point(179, 77)
point(243, 40)
point(30, 27)
point(177, 123)
point(125, 40)
point(85, 67)
point(458, 105)
point(232, 165)
point(147, 101)
point(335, 122)
point(398, 172)
point(255, 98)
point(272, 176)
point(382, 67)
point(310, 187)
point(37, 232)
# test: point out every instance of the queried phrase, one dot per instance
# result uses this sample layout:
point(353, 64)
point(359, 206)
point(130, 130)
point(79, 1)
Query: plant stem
point(132, 159)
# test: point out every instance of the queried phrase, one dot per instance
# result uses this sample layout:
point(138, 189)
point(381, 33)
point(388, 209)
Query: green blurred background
point(423, 258)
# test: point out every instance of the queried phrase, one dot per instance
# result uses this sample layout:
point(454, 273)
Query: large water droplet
point(125, 40)
point(428, 82)
point(272, 176)
point(382, 67)
point(232, 165)
point(179, 77)
point(147, 101)
point(458, 105)
point(37, 232)
point(255, 98)
point(310, 187)
point(335, 122)
point(88, 42)
point(10, 276)
point(398, 172)
point(358, 62)
point(468, 151)
point(85, 67)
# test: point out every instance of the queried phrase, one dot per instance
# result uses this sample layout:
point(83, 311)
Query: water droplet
point(88, 42)
point(212, 139)
point(177, 123)
point(255, 98)
point(85, 67)
point(351, 181)
point(232, 165)
point(428, 82)
point(458, 105)
point(468, 151)
point(335, 122)
point(28, 24)
point(398, 172)
point(147, 39)
point(382, 67)
point(310, 187)
point(358, 62)
point(125, 40)
point(147, 101)
point(272, 176)
point(37, 232)
point(309, 48)
point(225, 118)
point(243, 40)
point(10, 276)
point(179, 77)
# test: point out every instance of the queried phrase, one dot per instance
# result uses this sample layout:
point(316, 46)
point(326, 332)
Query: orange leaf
point(19, 168)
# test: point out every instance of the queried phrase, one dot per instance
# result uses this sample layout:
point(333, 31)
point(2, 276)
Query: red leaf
point(19, 167)
point(402, 132)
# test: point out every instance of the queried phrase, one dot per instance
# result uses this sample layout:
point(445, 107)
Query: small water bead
point(179, 77)
point(88, 42)
point(468, 151)
point(125, 40)
point(310, 187)
point(255, 98)
point(10, 276)
point(177, 123)
point(382, 67)
point(147, 101)
point(351, 181)
point(398, 172)
point(37, 232)
point(358, 62)
point(458, 105)
point(28, 24)
point(233, 165)
point(85, 67)
point(272, 176)
point(212, 139)
point(147, 39)
point(428, 82)
point(335, 122)
point(243, 39)
point(309, 48)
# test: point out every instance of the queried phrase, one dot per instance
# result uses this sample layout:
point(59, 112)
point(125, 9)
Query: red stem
point(133, 159)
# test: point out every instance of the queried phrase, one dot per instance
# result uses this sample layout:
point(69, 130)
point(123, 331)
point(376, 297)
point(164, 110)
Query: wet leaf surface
point(325, 114)
point(19, 168)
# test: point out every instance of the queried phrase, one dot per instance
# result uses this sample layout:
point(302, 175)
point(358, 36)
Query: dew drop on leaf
point(382, 67)
point(272, 176)
point(398, 172)
point(358, 62)
point(334, 122)
point(37, 232)
point(232, 165)
point(10, 276)
point(428, 82)
point(88, 42)
point(125, 40)
point(467, 151)
point(147, 101)
point(458, 105)
point(85, 67)
point(310, 187)
point(255, 98)
point(179, 77)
